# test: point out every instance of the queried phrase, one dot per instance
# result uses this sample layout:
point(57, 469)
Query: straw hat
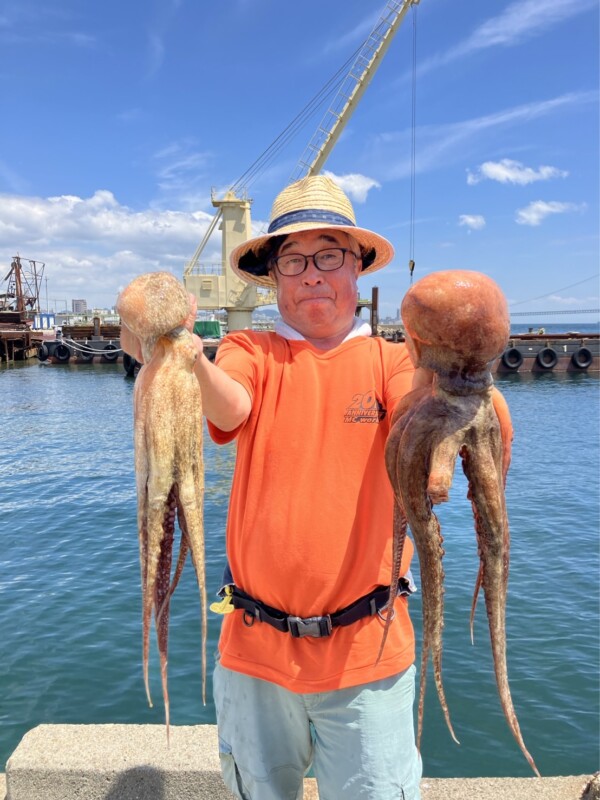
point(313, 203)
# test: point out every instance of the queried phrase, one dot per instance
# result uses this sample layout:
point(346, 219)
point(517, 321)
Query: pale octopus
point(457, 324)
point(168, 452)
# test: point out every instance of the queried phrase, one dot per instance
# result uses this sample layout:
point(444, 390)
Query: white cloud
point(508, 171)
point(156, 53)
point(25, 24)
point(519, 22)
point(181, 172)
point(95, 244)
point(130, 115)
point(355, 185)
point(538, 210)
point(474, 222)
point(175, 173)
point(524, 19)
point(443, 144)
point(573, 301)
point(11, 178)
point(358, 34)
point(160, 25)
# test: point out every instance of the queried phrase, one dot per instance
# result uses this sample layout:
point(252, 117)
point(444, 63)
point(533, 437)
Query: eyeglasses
point(325, 260)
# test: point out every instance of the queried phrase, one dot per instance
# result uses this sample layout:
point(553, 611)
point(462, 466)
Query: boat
point(550, 352)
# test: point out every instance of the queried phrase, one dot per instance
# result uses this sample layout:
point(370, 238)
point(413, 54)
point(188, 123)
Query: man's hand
point(190, 321)
point(191, 317)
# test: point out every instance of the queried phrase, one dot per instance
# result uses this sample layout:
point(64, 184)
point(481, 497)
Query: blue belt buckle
point(309, 626)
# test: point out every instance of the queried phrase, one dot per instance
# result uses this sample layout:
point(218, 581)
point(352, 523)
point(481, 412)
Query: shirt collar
point(360, 328)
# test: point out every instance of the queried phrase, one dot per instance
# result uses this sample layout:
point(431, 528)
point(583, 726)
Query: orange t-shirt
point(310, 517)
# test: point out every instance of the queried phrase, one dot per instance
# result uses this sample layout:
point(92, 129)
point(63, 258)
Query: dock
point(17, 341)
point(571, 352)
point(558, 352)
point(536, 352)
point(84, 344)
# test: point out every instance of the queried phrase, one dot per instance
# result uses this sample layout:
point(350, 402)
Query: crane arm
point(189, 267)
point(352, 89)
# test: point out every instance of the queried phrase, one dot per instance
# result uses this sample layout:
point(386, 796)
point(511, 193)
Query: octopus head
point(455, 320)
point(153, 304)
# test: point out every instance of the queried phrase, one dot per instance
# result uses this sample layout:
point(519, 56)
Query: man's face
point(316, 303)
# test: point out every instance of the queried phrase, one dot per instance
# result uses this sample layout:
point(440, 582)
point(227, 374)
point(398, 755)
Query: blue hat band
point(309, 215)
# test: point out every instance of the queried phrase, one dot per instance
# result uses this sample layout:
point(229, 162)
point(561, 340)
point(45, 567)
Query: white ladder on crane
point(364, 67)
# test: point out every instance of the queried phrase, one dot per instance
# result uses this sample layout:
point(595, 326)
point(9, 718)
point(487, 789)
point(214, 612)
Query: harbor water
point(70, 617)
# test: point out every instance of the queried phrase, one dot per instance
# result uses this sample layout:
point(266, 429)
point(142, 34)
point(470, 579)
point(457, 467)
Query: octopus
point(456, 324)
point(167, 452)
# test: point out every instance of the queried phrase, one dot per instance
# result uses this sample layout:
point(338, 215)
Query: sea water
point(70, 617)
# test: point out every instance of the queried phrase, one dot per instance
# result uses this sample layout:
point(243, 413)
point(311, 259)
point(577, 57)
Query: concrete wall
point(134, 762)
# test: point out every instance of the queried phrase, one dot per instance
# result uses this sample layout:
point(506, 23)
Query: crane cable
point(260, 164)
point(299, 121)
point(411, 254)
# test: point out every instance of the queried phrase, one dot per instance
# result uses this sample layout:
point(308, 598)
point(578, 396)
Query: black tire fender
point(110, 352)
point(85, 355)
point(62, 353)
point(512, 358)
point(547, 358)
point(42, 352)
point(582, 358)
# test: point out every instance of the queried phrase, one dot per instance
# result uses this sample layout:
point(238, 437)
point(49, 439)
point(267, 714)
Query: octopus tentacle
point(182, 556)
point(161, 593)
point(505, 445)
point(491, 518)
point(158, 536)
point(400, 526)
point(190, 515)
point(168, 455)
point(478, 580)
point(405, 409)
point(392, 448)
point(457, 323)
point(419, 450)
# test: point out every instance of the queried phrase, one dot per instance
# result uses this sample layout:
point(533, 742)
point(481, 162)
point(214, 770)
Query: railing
point(214, 268)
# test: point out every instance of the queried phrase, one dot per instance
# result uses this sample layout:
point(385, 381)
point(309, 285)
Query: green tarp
point(208, 328)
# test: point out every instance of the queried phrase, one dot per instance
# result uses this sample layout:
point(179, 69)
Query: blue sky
point(118, 118)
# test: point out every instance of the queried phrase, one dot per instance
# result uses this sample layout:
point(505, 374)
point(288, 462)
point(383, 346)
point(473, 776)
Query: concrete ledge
point(567, 788)
point(116, 762)
point(133, 762)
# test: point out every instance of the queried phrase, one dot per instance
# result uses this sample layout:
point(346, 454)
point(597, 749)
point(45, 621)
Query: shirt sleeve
point(400, 373)
point(237, 357)
point(506, 428)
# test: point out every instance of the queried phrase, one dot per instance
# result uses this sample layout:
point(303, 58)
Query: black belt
point(320, 626)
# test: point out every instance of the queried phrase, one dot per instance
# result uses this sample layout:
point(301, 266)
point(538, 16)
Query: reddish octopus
point(457, 323)
point(168, 452)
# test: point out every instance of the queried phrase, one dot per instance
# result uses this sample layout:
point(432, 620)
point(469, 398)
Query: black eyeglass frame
point(343, 250)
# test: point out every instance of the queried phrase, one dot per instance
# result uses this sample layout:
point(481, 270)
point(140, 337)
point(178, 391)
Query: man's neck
point(329, 342)
point(356, 327)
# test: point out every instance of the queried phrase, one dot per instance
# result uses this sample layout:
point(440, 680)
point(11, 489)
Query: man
point(309, 531)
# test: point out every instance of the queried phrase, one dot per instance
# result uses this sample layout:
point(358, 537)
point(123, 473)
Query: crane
point(216, 286)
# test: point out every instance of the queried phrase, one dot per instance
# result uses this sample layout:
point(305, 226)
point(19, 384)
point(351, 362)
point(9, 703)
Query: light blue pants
point(360, 741)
